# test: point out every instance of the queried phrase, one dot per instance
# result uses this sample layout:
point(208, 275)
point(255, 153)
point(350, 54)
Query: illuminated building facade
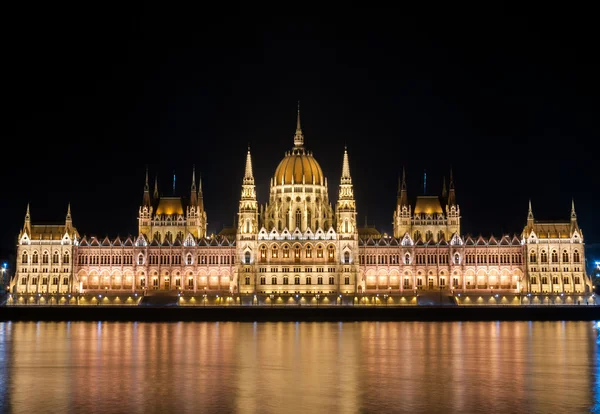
point(299, 245)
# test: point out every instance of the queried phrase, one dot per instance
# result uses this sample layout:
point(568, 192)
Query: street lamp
point(317, 296)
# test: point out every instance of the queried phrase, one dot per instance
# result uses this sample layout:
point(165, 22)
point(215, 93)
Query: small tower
point(452, 211)
point(196, 216)
point(346, 205)
point(402, 214)
point(27, 224)
point(68, 220)
point(574, 225)
point(248, 208)
point(145, 210)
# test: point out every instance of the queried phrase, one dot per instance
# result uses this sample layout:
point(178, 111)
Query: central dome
point(298, 167)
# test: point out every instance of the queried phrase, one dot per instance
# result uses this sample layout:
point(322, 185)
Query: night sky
point(93, 96)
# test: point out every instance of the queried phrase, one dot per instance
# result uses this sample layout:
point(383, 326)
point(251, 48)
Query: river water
point(349, 367)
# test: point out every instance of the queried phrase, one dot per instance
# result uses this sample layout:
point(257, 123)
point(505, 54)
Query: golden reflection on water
point(294, 367)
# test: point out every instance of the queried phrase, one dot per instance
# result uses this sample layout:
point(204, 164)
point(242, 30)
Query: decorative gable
point(320, 234)
point(297, 235)
point(262, 234)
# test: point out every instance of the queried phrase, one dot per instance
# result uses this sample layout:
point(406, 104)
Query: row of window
point(44, 281)
point(308, 252)
point(154, 259)
point(544, 280)
point(441, 258)
point(285, 280)
point(45, 258)
point(555, 269)
point(554, 256)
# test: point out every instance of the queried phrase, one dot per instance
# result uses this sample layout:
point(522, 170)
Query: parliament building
point(301, 248)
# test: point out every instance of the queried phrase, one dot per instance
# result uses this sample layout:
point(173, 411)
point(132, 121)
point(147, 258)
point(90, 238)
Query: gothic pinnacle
point(299, 137)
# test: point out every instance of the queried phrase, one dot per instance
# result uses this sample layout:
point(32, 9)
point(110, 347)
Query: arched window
point(188, 259)
point(24, 258)
point(440, 235)
point(407, 258)
point(55, 258)
point(544, 258)
point(319, 252)
point(565, 256)
point(157, 236)
point(247, 230)
point(247, 257)
point(428, 235)
point(274, 252)
point(169, 237)
point(576, 256)
point(35, 258)
point(308, 252)
point(308, 218)
point(316, 224)
point(456, 258)
point(66, 258)
point(417, 235)
point(299, 219)
point(346, 226)
point(140, 259)
point(532, 257)
point(554, 256)
point(286, 251)
point(45, 258)
point(297, 252)
point(263, 252)
point(331, 252)
point(346, 257)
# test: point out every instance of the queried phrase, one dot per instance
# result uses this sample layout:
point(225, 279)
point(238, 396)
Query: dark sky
point(92, 96)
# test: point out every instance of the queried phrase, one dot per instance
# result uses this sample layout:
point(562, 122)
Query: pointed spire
point(530, 212)
point(573, 215)
point(146, 201)
point(200, 195)
point(155, 187)
point(346, 166)
point(444, 192)
point(452, 193)
point(402, 193)
point(299, 137)
point(27, 225)
point(248, 173)
point(68, 221)
point(194, 177)
point(193, 194)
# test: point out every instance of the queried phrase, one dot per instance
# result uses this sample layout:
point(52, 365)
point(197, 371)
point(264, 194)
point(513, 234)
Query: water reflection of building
point(299, 243)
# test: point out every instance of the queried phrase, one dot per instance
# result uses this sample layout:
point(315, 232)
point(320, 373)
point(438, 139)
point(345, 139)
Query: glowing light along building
point(300, 246)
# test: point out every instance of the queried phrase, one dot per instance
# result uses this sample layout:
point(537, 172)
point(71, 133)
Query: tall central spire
point(346, 179)
point(248, 173)
point(299, 137)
